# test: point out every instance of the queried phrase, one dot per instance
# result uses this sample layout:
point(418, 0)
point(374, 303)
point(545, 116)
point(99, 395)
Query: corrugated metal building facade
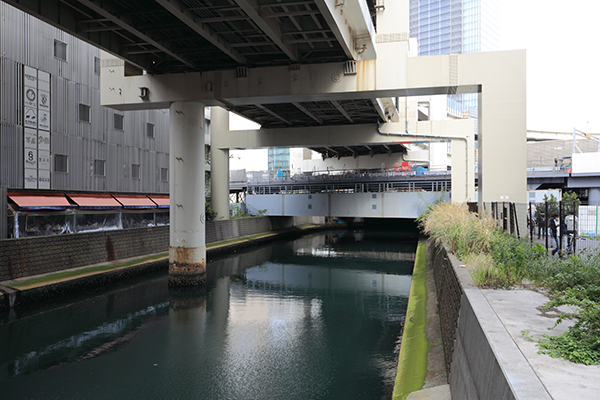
point(113, 152)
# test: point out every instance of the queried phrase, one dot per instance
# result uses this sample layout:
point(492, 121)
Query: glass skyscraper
point(279, 159)
point(455, 26)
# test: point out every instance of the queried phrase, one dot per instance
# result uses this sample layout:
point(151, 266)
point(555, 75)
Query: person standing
point(541, 223)
point(571, 226)
point(553, 231)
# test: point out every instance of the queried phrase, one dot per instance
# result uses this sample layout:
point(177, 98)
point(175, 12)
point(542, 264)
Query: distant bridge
point(388, 193)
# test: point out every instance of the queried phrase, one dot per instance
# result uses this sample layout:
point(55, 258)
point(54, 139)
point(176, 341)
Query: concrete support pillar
point(594, 195)
point(187, 245)
point(220, 165)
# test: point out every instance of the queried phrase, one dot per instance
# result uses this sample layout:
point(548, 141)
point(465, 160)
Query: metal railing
point(504, 213)
point(565, 226)
point(349, 181)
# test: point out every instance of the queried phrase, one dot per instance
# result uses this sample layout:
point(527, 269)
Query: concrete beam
point(350, 22)
point(266, 85)
point(338, 135)
point(460, 132)
point(499, 77)
point(364, 205)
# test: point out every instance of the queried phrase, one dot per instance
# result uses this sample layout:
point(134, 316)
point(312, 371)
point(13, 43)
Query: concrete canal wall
point(482, 360)
point(25, 257)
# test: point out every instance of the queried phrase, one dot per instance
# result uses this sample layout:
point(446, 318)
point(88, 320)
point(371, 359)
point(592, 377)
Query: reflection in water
point(317, 318)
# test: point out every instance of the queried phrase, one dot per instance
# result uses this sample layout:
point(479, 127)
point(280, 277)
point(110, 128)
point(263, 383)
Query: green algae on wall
point(412, 361)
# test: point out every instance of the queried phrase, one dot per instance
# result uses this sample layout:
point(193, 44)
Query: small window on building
point(135, 171)
point(118, 121)
point(164, 174)
point(84, 113)
point(60, 50)
point(99, 169)
point(150, 130)
point(97, 65)
point(61, 163)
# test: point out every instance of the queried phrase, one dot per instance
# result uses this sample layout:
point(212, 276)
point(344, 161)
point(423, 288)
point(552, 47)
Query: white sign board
point(43, 140)
point(43, 81)
point(44, 120)
point(43, 100)
point(30, 117)
point(36, 120)
point(44, 160)
point(43, 179)
point(31, 181)
point(30, 139)
point(30, 158)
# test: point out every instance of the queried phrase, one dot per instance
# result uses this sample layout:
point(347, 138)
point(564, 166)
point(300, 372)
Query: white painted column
point(187, 245)
point(219, 165)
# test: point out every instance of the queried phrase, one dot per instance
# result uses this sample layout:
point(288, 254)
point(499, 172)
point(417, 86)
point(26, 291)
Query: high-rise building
point(455, 26)
point(279, 159)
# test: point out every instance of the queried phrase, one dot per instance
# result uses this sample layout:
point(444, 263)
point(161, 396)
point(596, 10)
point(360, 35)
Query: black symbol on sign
point(30, 117)
point(30, 94)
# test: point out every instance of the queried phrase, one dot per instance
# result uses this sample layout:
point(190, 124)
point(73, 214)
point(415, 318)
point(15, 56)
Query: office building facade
point(455, 26)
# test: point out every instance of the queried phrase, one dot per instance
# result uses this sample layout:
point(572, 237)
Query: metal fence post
point(546, 223)
point(560, 227)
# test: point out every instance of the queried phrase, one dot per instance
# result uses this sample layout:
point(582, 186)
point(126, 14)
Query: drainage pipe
point(429, 136)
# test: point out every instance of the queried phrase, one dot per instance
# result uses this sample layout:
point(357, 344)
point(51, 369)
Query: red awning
point(134, 201)
point(161, 201)
point(94, 201)
point(46, 201)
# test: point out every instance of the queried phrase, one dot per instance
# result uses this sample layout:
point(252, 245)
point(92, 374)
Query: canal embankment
point(490, 336)
point(41, 268)
point(458, 348)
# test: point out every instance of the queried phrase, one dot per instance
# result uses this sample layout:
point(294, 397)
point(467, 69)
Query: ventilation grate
point(350, 67)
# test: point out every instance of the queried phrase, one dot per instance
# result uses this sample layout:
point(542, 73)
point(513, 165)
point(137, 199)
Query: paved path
point(518, 310)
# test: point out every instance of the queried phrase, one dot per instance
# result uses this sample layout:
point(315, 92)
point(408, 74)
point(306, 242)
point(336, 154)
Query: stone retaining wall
point(39, 255)
point(449, 295)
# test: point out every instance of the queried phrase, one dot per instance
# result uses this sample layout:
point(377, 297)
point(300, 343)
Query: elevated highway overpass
point(308, 71)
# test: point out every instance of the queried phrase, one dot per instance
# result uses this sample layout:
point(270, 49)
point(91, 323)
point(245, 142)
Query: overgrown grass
point(497, 259)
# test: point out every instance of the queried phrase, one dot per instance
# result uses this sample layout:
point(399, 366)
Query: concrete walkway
point(519, 310)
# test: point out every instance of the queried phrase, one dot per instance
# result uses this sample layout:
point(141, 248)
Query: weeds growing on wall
point(498, 259)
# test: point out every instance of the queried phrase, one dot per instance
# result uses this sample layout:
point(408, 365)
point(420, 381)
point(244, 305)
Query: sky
point(562, 40)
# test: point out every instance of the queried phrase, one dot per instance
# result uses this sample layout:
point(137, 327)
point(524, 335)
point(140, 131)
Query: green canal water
point(315, 318)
